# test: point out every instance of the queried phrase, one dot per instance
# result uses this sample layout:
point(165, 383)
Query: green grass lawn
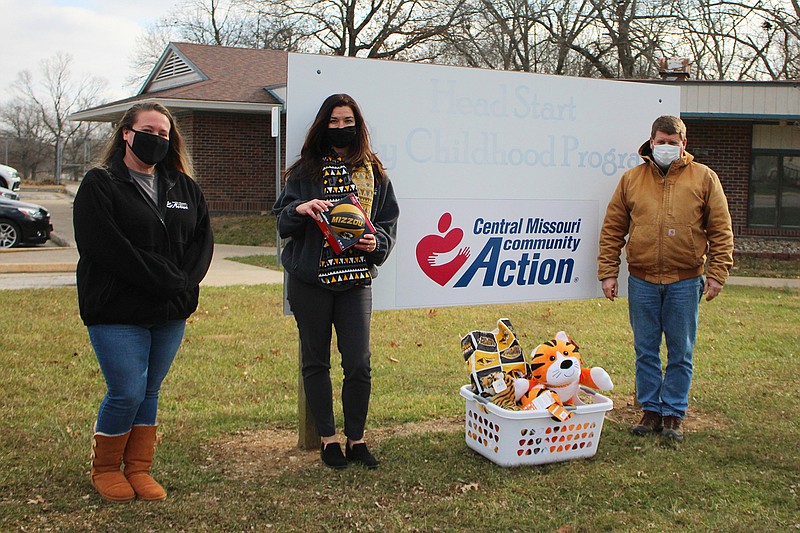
point(228, 418)
point(263, 261)
point(245, 230)
point(763, 267)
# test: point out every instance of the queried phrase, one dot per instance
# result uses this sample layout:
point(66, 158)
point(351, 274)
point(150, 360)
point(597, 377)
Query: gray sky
point(100, 35)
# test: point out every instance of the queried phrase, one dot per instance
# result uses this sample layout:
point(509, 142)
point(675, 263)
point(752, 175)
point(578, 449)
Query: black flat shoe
point(332, 455)
point(360, 453)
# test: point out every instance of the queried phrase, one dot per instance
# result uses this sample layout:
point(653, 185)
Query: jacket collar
point(119, 171)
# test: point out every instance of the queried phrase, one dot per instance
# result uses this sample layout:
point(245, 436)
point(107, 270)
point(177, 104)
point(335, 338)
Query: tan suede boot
point(138, 459)
point(107, 477)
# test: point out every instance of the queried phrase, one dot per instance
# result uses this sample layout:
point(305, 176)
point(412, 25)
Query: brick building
point(223, 98)
point(749, 133)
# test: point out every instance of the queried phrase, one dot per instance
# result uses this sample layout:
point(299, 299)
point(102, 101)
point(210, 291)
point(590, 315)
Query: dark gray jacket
point(301, 253)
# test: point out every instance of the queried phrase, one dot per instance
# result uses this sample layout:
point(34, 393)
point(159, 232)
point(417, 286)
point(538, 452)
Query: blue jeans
point(671, 310)
point(134, 360)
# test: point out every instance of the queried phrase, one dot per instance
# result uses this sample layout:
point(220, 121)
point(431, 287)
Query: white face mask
point(665, 154)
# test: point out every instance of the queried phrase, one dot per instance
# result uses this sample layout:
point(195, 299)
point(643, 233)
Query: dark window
point(775, 191)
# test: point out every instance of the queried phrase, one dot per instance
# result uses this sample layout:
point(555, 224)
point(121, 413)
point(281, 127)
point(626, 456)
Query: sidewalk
point(54, 259)
point(765, 282)
point(54, 263)
point(63, 260)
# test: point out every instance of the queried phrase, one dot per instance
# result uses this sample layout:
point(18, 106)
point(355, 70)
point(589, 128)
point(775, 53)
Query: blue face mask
point(150, 149)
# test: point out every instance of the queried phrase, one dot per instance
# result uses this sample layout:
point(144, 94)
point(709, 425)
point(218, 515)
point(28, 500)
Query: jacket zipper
point(156, 210)
point(661, 223)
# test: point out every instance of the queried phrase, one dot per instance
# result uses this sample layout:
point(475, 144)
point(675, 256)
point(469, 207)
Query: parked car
point(9, 178)
point(8, 194)
point(23, 223)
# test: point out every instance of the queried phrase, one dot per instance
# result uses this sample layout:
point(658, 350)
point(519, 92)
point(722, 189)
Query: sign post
point(275, 114)
point(308, 438)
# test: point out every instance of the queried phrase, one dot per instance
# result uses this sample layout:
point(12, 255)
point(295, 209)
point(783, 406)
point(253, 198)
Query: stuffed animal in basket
point(540, 397)
point(556, 366)
point(502, 388)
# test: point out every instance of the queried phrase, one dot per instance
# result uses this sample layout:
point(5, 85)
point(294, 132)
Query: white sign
point(517, 168)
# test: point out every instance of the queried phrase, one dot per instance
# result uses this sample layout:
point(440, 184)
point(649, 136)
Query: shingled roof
point(197, 76)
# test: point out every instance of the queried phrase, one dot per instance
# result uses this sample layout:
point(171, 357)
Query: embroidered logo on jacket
point(177, 205)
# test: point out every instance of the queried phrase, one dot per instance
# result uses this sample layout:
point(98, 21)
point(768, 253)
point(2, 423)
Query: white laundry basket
point(514, 438)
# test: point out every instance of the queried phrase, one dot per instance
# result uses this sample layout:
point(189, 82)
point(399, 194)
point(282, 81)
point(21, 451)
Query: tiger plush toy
point(540, 397)
point(506, 397)
point(556, 365)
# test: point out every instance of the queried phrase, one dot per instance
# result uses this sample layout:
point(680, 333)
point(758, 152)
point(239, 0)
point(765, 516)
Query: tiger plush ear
point(562, 336)
point(535, 366)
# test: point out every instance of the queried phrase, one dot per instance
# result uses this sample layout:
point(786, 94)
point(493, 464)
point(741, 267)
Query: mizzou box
point(487, 352)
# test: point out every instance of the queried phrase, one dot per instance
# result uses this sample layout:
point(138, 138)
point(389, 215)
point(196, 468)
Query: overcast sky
point(100, 35)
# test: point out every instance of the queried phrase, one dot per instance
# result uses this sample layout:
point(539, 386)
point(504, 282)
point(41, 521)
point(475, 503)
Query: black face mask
point(150, 149)
point(341, 137)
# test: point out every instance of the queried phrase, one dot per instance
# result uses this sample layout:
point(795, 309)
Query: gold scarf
point(364, 181)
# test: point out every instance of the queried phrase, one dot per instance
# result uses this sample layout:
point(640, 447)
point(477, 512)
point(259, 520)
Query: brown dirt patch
point(627, 413)
point(271, 452)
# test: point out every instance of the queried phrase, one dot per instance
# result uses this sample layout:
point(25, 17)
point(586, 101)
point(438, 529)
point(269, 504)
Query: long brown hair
point(177, 157)
point(316, 146)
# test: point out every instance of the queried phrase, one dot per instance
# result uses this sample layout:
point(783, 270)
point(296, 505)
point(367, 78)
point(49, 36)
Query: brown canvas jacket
point(672, 222)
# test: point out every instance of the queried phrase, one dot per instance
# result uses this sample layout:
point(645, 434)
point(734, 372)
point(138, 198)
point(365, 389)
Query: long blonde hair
point(177, 157)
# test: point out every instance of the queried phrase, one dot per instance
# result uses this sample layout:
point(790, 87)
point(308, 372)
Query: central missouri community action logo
point(520, 242)
point(430, 247)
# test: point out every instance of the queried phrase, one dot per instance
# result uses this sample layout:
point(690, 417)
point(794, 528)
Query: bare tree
point(24, 128)
point(730, 39)
point(390, 29)
point(58, 95)
point(271, 30)
point(571, 31)
point(148, 50)
point(779, 24)
point(216, 22)
point(725, 39)
point(498, 35)
point(718, 38)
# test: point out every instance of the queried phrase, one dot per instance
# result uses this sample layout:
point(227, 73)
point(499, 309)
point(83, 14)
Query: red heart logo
point(430, 247)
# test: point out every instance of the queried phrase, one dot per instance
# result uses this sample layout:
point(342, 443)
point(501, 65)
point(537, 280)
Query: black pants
point(316, 309)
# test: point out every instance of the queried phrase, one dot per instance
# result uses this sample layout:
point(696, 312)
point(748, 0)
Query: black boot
point(360, 453)
point(332, 456)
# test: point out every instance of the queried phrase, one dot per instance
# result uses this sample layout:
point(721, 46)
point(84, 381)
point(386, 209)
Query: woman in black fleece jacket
point(326, 289)
point(145, 243)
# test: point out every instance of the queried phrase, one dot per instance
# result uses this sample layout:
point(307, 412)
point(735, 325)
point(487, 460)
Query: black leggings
point(316, 309)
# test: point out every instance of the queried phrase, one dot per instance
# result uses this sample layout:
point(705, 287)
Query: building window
point(775, 190)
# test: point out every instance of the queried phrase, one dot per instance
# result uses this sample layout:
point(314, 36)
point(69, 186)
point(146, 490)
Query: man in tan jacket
point(675, 214)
